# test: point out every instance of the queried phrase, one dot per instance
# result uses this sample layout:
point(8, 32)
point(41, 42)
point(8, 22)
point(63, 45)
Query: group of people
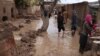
point(88, 27)
point(61, 22)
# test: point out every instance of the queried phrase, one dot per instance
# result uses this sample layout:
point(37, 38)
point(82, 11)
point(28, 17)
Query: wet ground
point(49, 44)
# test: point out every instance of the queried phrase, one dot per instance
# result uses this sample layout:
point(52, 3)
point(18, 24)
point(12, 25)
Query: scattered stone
point(26, 46)
point(26, 40)
point(28, 21)
point(32, 34)
point(10, 26)
point(15, 28)
point(20, 34)
point(39, 30)
point(29, 37)
point(21, 26)
point(39, 33)
point(7, 42)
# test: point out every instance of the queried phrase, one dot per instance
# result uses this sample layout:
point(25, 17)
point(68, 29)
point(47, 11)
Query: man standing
point(74, 23)
point(60, 21)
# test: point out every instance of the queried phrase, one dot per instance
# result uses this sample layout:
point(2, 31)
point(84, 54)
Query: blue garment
point(74, 20)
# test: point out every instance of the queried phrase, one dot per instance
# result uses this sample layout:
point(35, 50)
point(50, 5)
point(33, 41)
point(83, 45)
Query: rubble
point(14, 28)
point(32, 34)
point(24, 49)
point(40, 32)
point(10, 26)
point(29, 36)
point(7, 42)
point(26, 46)
point(20, 34)
point(21, 26)
point(26, 40)
point(28, 21)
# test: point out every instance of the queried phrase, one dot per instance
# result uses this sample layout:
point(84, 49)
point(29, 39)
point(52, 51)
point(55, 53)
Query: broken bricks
point(29, 36)
point(7, 41)
point(27, 47)
point(9, 26)
point(28, 21)
point(21, 26)
point(32, 34)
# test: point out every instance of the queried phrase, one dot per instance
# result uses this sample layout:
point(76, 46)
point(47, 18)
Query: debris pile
point(7, 43)
point(14, 28)
point(9, 26)
point(21, 26)
point(26, 46)
point(28, 21)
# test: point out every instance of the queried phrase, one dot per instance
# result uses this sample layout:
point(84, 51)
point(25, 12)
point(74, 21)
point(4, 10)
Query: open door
point(12, 12)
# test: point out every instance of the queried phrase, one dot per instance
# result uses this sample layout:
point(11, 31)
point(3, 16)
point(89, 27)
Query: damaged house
point(7, 8)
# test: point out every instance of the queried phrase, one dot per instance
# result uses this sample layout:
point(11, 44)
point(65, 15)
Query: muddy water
point(49, 44)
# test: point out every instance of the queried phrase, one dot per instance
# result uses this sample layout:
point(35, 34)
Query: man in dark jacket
point(60, 21)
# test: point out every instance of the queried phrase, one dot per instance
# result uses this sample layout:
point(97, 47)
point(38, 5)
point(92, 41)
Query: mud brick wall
point(7, 8)
point(98, 17)
point(81, 9)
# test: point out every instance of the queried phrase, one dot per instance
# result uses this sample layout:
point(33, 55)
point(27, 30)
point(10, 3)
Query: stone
point(10, 26)
point(27, 44)
point(25, 40)
point(29, 37)
point(24, 49)
point(20, 34)
point(7, 41)
point(21, 26)
point(32, 34)
point(28, 21)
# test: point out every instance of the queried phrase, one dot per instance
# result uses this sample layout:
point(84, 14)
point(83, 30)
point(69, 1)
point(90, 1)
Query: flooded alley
point(49, 27)
point(48, 43)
